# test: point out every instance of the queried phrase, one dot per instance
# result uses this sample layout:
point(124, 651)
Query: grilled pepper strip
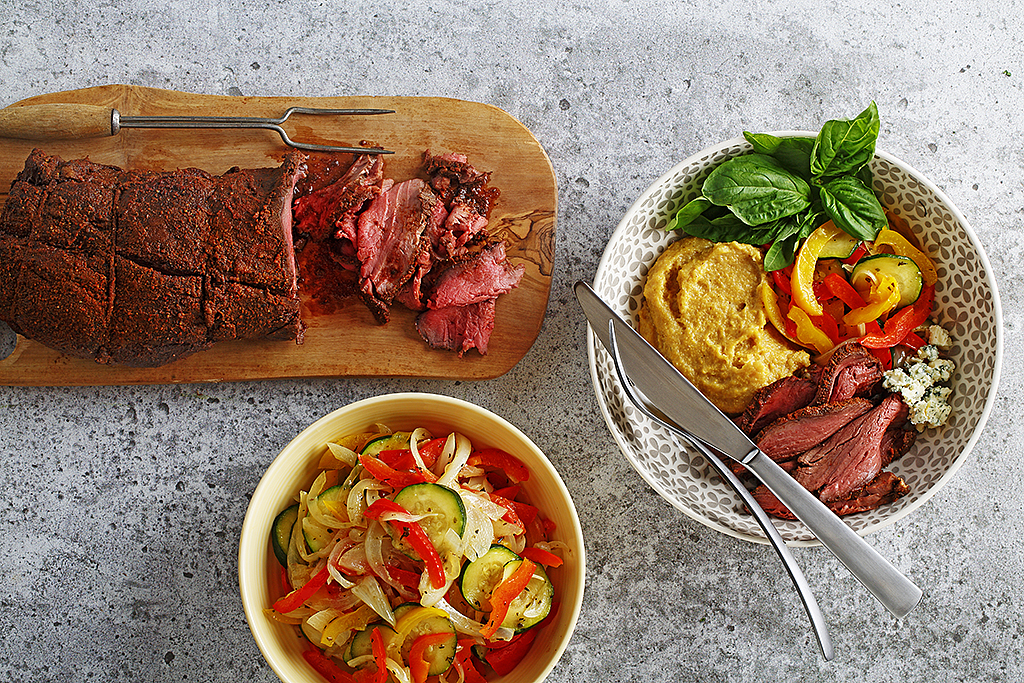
point(416, 536)
point(901, 245)
point(503, 595)
point(380, 656)
point(807, 333)
point(326, 667)
point(298, 597)
point(881, 300)
point(803, 268)
point(905, 321)
point(419, 667)
point(844, 291)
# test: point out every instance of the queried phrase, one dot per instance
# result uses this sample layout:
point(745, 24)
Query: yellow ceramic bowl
point(295, 467)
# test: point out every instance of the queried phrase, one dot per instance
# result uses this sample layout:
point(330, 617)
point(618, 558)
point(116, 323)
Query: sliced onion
point(369, 591)
point(356, 501)
point(378, 545)
point(467, 625)
point(400, 673)
point(478, 532)
point(463, 448)
point(418, 434)
point(342, 454)
point(325, 616)
point(404, 516)
point(446, 455)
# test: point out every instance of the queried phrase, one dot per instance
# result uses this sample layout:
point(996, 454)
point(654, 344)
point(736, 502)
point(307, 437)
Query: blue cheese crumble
point(922, 381)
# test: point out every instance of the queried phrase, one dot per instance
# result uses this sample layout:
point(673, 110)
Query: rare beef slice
point(142, 268)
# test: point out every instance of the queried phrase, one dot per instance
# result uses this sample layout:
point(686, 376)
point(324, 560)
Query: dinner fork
point(641, 403)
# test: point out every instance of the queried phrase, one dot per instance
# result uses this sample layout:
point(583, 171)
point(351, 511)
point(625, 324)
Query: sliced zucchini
point(907, 274)
point(840, 246)
point(281, 533)
point(389, 442)
point(316, 534)
point(362, 642)
point(531, 606)
point(444, 510)
point(413, 621)
point(480, 576)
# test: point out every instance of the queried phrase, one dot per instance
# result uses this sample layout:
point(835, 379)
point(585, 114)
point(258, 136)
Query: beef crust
point(142, 268)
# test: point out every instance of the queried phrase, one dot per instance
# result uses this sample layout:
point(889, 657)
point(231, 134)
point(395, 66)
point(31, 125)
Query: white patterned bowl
point(966, 303)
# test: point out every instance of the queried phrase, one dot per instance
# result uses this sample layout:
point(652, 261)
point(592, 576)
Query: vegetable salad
point(842, 268)
point(412, 557)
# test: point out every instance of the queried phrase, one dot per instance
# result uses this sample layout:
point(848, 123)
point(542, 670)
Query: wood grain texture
point(347, 342)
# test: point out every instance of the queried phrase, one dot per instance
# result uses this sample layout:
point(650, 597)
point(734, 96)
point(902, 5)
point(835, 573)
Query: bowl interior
point(295, 467)
point(966, 303)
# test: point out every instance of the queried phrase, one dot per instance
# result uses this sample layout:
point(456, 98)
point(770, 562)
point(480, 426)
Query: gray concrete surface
point(120, 508)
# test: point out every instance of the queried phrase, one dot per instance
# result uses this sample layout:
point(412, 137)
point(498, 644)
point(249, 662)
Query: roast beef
point(141, 267)
point(486, 275)
point(855, 454)
point(776, 400)
point(807, 427)
point(324, 210)
point(458, 328)
point(883, 489)
point(851, 371)
point(389, 243)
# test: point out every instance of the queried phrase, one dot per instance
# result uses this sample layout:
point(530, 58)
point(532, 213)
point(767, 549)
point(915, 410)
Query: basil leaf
point(853, 207)
point(757, 189)
point(729, 228)
point(783, 249)
point(688, 213)
point(763, 143)
point(843, 147)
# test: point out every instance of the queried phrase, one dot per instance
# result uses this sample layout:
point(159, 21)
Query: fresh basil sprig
point(788, 187)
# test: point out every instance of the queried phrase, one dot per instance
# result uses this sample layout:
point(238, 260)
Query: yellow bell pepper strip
point(773, 312)
point(416, 536)
point(349, 621)
point(298, 597)
point(807, 333)
point(901, 246)
point(903, 322)
point(419, 667)
point(883, 298)
point(504, 593)
point(803, 268)
point(326, 667)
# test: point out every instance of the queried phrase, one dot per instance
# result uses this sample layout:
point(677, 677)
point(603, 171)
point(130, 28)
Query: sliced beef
point(142, 267)
point(487, 275)
point(389, 243)
point(801, 430)
point(855, 454)
point(851, 371)
point(325, 210)
point(468, 199)
point(883, 489)
point(458, 328)
point(776, 400)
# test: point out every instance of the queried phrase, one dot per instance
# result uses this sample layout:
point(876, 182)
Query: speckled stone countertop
point(121, 507)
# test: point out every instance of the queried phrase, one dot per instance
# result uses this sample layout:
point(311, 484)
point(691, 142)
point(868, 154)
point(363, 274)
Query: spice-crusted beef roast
point(851, 371)
point(141, 267)
point(807, 427)
point(781, 397)
point(458, 328)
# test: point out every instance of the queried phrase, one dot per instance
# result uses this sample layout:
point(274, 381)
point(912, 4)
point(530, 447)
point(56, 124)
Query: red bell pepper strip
point(505, 658)
point(844, 291)
point(496, 459)
point(326, 667)
point(416, 536)
point(903, 322)
point(510, 515)
point(380, 656)
point(464, 661)
point(856, 255)
point(398, 479)
point(508, 493)
point(298, 597)
point(914, 341)
point(781, 280)
point(419, 667)
point(541, 556)
point(503, 595)
point(401, 459)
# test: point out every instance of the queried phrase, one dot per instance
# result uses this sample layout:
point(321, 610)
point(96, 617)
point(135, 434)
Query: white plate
point(966, 303)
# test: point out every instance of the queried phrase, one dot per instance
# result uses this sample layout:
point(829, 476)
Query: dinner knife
point(684, 405)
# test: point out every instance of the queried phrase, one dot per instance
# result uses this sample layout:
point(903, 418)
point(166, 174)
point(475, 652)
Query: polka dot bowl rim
point(967, 302)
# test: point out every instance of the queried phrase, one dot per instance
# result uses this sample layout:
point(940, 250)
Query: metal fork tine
point(252, 122)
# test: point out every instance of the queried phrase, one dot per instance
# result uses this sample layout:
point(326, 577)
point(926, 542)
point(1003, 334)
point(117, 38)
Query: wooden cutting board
point(346, 342)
